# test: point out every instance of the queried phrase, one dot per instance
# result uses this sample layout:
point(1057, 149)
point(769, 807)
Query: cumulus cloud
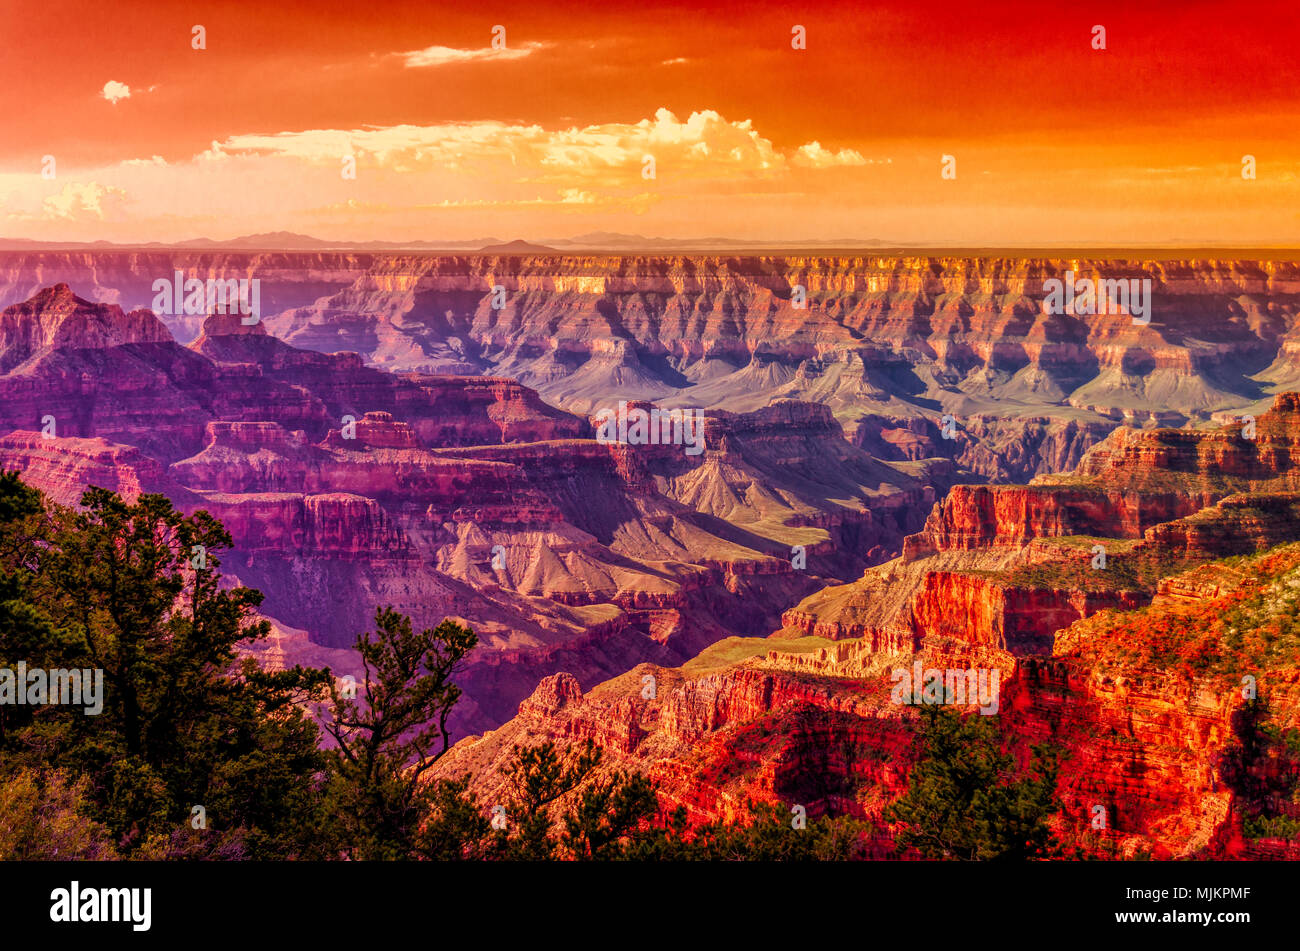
point(705, 145)
point(447, 55)
point(417, 178)
point(113, 91)
point(813, 155)
point(79, 201)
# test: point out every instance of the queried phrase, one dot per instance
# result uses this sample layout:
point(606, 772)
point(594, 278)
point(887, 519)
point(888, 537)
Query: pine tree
point(392, 733)
point(966, 800)
point(121, 588)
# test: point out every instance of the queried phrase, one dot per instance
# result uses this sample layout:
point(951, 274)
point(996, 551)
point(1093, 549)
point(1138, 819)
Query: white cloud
point(703, 148)
point(82, 202)
point(113, 91)
point(569, 198)
point(414, 178)
point(447, 55)
point(813, 155)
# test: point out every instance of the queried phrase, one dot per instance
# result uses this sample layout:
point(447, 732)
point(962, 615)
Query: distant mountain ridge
point(597, 240)
point(617, 242)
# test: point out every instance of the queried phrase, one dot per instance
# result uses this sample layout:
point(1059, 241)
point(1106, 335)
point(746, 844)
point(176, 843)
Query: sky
point(537, 120)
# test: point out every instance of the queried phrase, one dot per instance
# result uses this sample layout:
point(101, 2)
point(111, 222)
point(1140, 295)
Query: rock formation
point(1135, 666)
point(890, 343)
point(346, 487)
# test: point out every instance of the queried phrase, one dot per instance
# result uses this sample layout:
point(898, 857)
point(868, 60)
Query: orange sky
point(1055, 142)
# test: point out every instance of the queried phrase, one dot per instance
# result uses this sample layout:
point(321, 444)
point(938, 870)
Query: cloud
point(412, 179)
point(113, 91)
point(813, 155)
point(447, 55)
point(568, 197)
point(82, 202)
point(704, 146)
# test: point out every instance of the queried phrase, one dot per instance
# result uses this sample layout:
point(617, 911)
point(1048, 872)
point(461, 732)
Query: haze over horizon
point(617, 243)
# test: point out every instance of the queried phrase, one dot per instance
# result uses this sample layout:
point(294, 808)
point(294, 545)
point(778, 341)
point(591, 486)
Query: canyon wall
point(346, 487)
point(1135, 665)
point(891, 343)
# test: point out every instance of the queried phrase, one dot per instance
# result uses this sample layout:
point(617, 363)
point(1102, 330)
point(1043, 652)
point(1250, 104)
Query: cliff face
point(1145, 737)
point(1230, 458)
point(880, 337)
point(1018, 563)
point(998, 447)
point(990, 613)
point(64, 467)
point(345, 486)
point(1135, 659)
point(587, 565)
point(441, 410)
point(58, 319)
point(977, 518)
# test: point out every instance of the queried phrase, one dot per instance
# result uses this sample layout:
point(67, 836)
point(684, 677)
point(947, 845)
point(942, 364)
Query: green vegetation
point(389, 736)
point(1255, 629)
point(966, 799)
point(1129, 567)
point(198, 754)
point(112, 587)
point(733, 650)
point(1262, 767)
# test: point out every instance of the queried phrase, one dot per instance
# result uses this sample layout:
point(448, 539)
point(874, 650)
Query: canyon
point(1134, 666)
point(346, 487)
point(891, 343)
point(921, 465)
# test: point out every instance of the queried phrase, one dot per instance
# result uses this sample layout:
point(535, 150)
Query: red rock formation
point(57, 319)
point(64, 467)
point(452, 496)
point(1135, 669)
point(1143, 739)
point(587, 329)
point(982, 517)
point(990, 613)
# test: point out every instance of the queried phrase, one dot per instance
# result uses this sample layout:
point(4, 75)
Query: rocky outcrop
point(817, 725)
point(980, 517)
point(326, 526)
point(1255, 454)
point(990, 613)
point(64, 468)
point(1133, 663)
point(1011, 565)
point(881, 335)
point(57, 319)
point(999, 448)
point(345, 486)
